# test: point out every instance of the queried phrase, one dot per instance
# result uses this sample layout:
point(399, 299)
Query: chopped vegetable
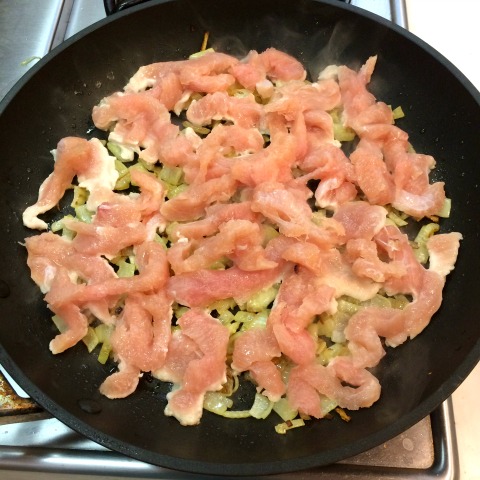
point(420, 242)
point(398, 113)
point(261, 407)
point(343, 414)
point(284, 410)
point(282, 428)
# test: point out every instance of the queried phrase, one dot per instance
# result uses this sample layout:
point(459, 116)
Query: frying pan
point(55, 98)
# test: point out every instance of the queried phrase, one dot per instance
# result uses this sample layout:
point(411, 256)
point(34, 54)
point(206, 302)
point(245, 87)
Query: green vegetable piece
point(261, 407)
point(398, 113)
point(125, 269)
point(90, 339)
point(282, 428)
point(216, 402)
point(83, 214)
point(174, 190)
point(261, 300)
point(80, 196)
point(171, 175)
point(446, 208)
point(420, 242)
point(284, 410)
point(123, 180)
point(60, 323)
point(343, 134)
point(104, 353)
point(201, 53)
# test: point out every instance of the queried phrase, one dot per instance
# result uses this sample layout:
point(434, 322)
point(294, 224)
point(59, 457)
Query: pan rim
point(245, 469)
point(155, 3)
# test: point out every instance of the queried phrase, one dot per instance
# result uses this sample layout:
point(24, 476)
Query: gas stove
point(34, 445)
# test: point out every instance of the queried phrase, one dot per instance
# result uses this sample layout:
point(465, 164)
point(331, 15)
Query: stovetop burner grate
point(30, 440)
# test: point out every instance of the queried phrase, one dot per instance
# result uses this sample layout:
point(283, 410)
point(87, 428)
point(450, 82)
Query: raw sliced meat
point(271, 64)
point(122, 383)
point(90, 162)
point(207, 373)
point(203, 287)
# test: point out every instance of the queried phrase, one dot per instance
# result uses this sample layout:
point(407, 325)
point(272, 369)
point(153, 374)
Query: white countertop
point(452, 28)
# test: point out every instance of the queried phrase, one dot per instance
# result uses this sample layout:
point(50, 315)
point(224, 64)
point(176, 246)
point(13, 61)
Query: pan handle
point(399, 13)
point(113, 6)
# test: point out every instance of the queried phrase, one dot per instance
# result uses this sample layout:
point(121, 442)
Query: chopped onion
point(217, 403)
point(261, 407)
point(284, 410)
point(282, 428)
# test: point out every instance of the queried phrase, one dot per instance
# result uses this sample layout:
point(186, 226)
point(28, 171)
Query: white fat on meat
point(443, 252)
point(94, 168)
point(206, 371)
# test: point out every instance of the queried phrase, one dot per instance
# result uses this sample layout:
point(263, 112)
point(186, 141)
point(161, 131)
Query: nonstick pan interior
point(55, 100)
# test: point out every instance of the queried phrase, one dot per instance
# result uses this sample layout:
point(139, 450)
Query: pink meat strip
point(143, 330)
point(122, 222)
point(168, 90)
point(242, 111)
point(215, 154)
point(148, 76)
point(337, 272)
point(286, 208)
point(299, 252)
point(73, 316)
point(121, 383)
point(273, 163)
point(239, 240)
point(48, 251)
point(443, 251)
point(271, 64)
point(304, 107)
point(153, 274)
point(99, 238)
point(414, 194)
point(140, 121)
point(140, 341)
point(360, 219)
point(208, 73)
point(53, 261)
point(74, 157)
point(385, 170)
point(298, 96)
point(299, 299)
point(370, 323)
point(254, 351)
point(203, 287)
point(205, 373)
point(326, 162)
point(357, 100)
point(68, 299)
point(307, 382)
point(215, 215)
point(395, 244)
point(371, 173)
point(192, 202)
point(364, 256)
point(181, 351)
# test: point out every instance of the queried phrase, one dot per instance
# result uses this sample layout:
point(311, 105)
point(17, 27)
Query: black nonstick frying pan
point(55, 98)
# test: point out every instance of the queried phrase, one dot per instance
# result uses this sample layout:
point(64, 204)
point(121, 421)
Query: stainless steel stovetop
point(34, 445)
